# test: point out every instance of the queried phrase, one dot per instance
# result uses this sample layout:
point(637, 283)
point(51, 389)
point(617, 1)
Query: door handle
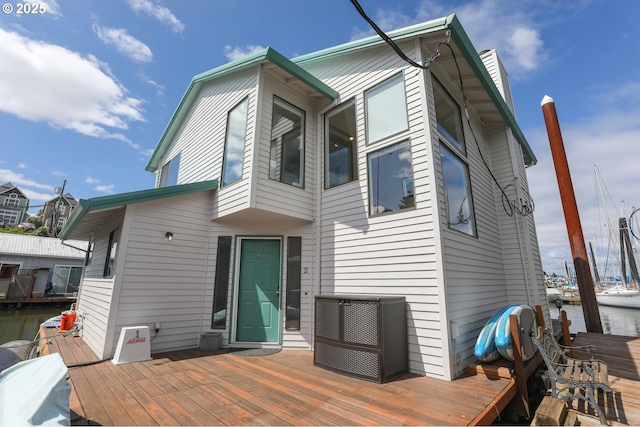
point(277, 293)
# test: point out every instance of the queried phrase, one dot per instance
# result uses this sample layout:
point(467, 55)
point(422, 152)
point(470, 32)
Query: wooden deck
point(193, 387)
point(622, 354)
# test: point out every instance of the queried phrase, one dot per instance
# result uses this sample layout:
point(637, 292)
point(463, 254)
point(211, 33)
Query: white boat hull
point(629, 299)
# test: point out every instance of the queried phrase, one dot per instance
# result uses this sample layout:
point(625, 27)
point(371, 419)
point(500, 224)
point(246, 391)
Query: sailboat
point(622, 293)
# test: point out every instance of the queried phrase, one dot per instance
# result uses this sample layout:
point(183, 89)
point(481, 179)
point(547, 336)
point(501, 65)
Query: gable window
point(390, 179)
point(12, 200)
point(457, 186)
point(234, 143)
point(286, 163)
point(448, 116)
point(169, 172)
point(340, 145)
point(386, 109)
point(112, 249)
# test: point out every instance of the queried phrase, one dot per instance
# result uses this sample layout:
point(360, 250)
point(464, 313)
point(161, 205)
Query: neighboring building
point(13, 205)
point(51, 260)
point(58, 210)
point(343, 171)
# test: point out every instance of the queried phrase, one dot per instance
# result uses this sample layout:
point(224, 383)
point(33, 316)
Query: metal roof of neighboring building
point(20, 244)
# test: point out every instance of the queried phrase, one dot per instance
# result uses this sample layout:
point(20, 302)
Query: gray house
point(30, 262)
point(344, 171)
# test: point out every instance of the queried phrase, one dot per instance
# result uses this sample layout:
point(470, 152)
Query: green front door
point(259, 291)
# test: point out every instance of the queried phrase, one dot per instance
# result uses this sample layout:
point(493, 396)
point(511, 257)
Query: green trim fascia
point(413, 31)
point(85, 206)
point(463, 42)
point(267, 54)
point(461, 39)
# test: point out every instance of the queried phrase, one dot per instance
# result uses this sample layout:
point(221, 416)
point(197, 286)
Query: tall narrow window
point(169, 172)
point(448, 116)
point(386, 109)
point(221, 284)
point(287, 144)
point(390, 179)
point(234, 143)
point(457, 187)
point(340, 145)
point(294, 278)
point(112, 250)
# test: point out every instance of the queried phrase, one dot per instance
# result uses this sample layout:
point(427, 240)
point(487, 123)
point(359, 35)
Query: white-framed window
point(112, 251)
point(12, 200)
point(287, 143)
point(234, 143)
point(341, 154)
point(61, 208)
point(448, 116)
point(386, 109)
point(66, 279)
point(169, 172)
point(457, 187)
point(391, 179)
point(62, 222)
point(10, 217)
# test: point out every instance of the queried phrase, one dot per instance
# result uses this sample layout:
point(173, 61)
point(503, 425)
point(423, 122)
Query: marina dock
point(193, 387)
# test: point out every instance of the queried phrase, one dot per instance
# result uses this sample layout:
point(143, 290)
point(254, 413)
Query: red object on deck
point(68, 319)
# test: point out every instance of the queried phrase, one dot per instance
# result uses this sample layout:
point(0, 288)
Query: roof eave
point(268, 54)
point(119, 200)
point(463, 42)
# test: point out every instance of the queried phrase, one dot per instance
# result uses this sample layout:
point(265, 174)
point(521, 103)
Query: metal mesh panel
point(327, 323)
point(360, 323)
point(351, 360)
point(394, 332)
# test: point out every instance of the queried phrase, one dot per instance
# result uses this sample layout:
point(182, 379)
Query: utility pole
point(55, 215)
point(572, 218)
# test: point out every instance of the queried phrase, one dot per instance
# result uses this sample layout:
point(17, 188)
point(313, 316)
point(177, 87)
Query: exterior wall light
point(169, 236)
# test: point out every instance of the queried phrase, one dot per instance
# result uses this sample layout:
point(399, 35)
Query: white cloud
point(18, 179)
point(51, 7)
point(238, 52)
point(43, 82)
point(91, 180)
point(22, 165)
point(158, 12)
point(524, 45)
point(124, 43)
point(108, 189)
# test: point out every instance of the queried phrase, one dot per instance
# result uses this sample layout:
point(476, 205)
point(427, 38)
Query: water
point(23, 324)
point(615, 320)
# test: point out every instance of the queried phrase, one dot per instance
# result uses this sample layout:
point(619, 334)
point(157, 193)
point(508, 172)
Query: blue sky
point(87, 87)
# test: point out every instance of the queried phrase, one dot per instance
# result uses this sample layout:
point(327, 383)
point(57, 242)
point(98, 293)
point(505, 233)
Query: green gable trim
point(118, 200)
point(461, 39)
point(267, 54)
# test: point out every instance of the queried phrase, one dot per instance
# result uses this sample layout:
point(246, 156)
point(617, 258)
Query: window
point(234, 143)
point(386, 109)
point(110, 261)
point(10, 217)
point(12, 200)
point(169, 172)
point(221, 284)
point(448, 116)
point(287, 144)
point(340, 145)
point(294, 278)
point(457, 192)
point(66, 279)
point(390, 179)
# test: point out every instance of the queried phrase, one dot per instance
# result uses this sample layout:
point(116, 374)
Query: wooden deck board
point(192, 387)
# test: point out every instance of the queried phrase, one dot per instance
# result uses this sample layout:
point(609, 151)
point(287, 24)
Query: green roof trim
point(117, 200)
point(268, 54)
point(461, 40)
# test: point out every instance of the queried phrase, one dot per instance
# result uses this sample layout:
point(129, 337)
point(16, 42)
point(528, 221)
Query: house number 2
point(305, 270)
